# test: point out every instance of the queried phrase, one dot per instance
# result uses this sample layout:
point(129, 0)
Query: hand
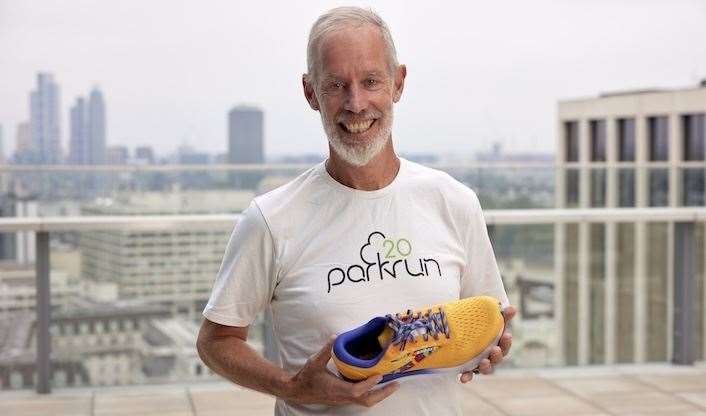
point(314, 384)
point(498, 351)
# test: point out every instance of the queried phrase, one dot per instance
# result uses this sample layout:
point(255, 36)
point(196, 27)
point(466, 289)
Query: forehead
point(351, 50)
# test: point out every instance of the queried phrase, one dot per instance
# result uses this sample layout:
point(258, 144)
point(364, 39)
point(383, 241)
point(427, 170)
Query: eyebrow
point(332, 76)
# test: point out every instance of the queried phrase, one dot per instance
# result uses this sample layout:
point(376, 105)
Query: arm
point(224, 349)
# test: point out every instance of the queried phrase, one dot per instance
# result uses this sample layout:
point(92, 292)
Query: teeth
point(359, 127)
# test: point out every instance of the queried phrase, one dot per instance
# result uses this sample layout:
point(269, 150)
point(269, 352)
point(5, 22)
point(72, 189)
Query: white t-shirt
point(327, 258)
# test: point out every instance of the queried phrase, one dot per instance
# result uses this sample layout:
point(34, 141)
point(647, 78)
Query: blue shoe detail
point(359, 338)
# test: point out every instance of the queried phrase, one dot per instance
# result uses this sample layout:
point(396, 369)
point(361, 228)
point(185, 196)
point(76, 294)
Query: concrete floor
point(582, 391)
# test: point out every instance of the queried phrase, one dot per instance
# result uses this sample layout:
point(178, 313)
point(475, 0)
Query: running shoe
point(453, 336)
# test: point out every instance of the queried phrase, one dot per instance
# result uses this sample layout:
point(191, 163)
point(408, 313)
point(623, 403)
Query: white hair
point(340, 18)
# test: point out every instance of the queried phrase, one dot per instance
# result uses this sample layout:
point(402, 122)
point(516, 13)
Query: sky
point(478, 71)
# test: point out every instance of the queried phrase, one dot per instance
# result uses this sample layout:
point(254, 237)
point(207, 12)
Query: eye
point(336, 85)
point(371, 82)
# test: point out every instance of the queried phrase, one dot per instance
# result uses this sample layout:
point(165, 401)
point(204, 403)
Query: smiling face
point(354, 92)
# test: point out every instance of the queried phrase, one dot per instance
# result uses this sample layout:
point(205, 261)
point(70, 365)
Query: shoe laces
point(408, 327)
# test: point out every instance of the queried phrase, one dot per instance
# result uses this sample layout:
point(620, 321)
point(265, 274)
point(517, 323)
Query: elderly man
point(364, 234)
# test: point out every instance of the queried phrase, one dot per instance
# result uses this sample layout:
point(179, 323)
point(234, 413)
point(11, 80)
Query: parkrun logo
point(383, 257)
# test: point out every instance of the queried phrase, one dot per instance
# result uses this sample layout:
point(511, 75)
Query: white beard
point(359, 154)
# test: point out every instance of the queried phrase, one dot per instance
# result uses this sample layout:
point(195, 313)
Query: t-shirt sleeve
point(481, 275)
point(246, 279)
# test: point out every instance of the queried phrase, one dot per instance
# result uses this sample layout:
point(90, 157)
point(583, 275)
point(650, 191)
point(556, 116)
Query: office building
point(23, 143)
point(2, 147)
point(117, 155)
point(18, 291)
point(144, 155)
point(173, 268)
point(616, 298)
point(87, 145)
point(93, 344)
point(19, 246)
point(246, 143)
point(45, 120)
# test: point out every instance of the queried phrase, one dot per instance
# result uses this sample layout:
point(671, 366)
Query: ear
point(309, 92)
point(400, 75)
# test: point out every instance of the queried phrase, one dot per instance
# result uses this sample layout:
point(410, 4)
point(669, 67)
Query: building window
point(626, 140)
point(571, 135)
point(693, 129)
point(658, 135)
point(598, 140)
point(626, 187)
point(693, 187)
point(659, 187)
point(598, 188)
point(572, 188)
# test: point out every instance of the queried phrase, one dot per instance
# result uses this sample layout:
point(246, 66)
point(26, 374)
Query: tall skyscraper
point(78, 140)
point(618, 299)
point(4, 176)
point(96, 126)
point(246, 143)
point(87, 144)
point(2, 148)
point(23, 140)
point(44, 120)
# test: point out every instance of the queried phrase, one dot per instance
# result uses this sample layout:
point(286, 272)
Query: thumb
point(324, 354)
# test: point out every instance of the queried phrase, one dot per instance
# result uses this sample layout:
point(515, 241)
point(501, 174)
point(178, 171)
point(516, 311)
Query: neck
point(377, 174)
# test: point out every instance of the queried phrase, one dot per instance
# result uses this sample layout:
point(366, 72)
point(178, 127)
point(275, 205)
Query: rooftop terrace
point(578, 391)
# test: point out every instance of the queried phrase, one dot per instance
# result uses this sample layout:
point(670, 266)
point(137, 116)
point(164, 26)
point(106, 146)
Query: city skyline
point(175, 85)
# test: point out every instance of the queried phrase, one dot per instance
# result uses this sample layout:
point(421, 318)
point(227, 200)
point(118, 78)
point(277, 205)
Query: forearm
point(237, 361)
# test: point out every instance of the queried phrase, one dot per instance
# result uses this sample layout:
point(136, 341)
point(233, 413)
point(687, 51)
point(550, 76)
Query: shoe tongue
point(385, 337)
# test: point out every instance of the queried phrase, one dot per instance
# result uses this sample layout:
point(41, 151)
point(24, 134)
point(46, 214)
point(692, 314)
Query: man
point(363, 234)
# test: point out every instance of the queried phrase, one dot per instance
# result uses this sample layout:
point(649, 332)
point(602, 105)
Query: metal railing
point(685, 218)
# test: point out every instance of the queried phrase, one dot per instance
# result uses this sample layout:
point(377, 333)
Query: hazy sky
point(478, 71)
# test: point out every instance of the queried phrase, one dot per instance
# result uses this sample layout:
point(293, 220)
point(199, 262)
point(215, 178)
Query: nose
point(356, 99)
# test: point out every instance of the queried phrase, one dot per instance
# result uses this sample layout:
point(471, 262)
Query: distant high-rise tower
point(78, 140)
point(96, 126)
point(246, 143)
point(23, 138)
point(87, 143)
point(4, 176)
point(44, 120)
point(2, 148)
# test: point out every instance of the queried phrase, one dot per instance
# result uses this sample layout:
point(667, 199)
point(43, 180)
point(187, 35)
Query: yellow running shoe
point(453, 336)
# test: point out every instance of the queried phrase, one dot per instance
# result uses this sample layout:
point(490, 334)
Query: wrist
point(285, 386)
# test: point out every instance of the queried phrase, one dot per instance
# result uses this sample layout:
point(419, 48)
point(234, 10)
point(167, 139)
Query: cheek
point(331, 105)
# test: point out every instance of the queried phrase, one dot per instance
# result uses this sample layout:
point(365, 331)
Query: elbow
point(202, 344)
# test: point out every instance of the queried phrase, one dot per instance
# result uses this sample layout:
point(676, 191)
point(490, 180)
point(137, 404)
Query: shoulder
point(284, 202)
point(437, 183)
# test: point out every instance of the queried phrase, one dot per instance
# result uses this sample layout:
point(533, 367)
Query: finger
point(376, 396)
point(496, 355)
point(509, 313)
point(485, 367)
point(324, 354)
point(360, 388)
point(505, 342)
point(466, 376)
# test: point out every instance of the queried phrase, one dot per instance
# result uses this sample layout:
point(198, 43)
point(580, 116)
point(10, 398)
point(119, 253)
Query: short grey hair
point(339, 18)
